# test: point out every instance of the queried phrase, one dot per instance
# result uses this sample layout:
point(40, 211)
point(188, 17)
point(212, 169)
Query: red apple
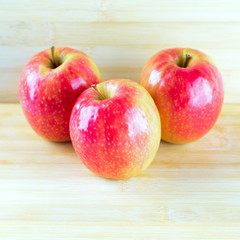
point(50, 84)
point(115, 128)
point(188, 91)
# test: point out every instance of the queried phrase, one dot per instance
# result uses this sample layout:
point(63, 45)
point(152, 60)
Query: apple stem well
point(94, 86)
point(53, 57)
point(187, 58)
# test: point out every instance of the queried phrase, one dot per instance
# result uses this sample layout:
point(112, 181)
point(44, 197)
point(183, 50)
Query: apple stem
point(94, 86)
point(53, 58)
point(187, 58)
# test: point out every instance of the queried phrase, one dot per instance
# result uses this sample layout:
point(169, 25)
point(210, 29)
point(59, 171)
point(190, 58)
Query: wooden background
point(119, 35)
point(189, 192)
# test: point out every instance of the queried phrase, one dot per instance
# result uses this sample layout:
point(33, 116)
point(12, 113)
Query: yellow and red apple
point(115, 128)
point(188, 91)
point(50, 84)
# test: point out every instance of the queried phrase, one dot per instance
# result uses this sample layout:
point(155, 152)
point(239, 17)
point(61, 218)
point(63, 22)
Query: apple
point(49, 85)
point(115, 128)
point(188, 91)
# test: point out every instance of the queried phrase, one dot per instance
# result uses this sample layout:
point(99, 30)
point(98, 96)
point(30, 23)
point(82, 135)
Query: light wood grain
point(121, 11)
point(190, 191)
point(120, 36)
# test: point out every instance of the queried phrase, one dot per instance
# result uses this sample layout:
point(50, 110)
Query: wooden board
point(190, 191)
point(119, 35)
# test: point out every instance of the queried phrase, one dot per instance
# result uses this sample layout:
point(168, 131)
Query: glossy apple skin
point(117, 137)
point(47, 95)
point(189, 99)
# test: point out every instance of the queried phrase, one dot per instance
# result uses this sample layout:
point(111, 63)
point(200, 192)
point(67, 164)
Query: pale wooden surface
point(190, 191)
point(119, 35)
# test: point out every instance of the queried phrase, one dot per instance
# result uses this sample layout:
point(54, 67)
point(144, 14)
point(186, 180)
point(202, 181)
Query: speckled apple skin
point(189, 99)
point(47, 95)
point(117, 137)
